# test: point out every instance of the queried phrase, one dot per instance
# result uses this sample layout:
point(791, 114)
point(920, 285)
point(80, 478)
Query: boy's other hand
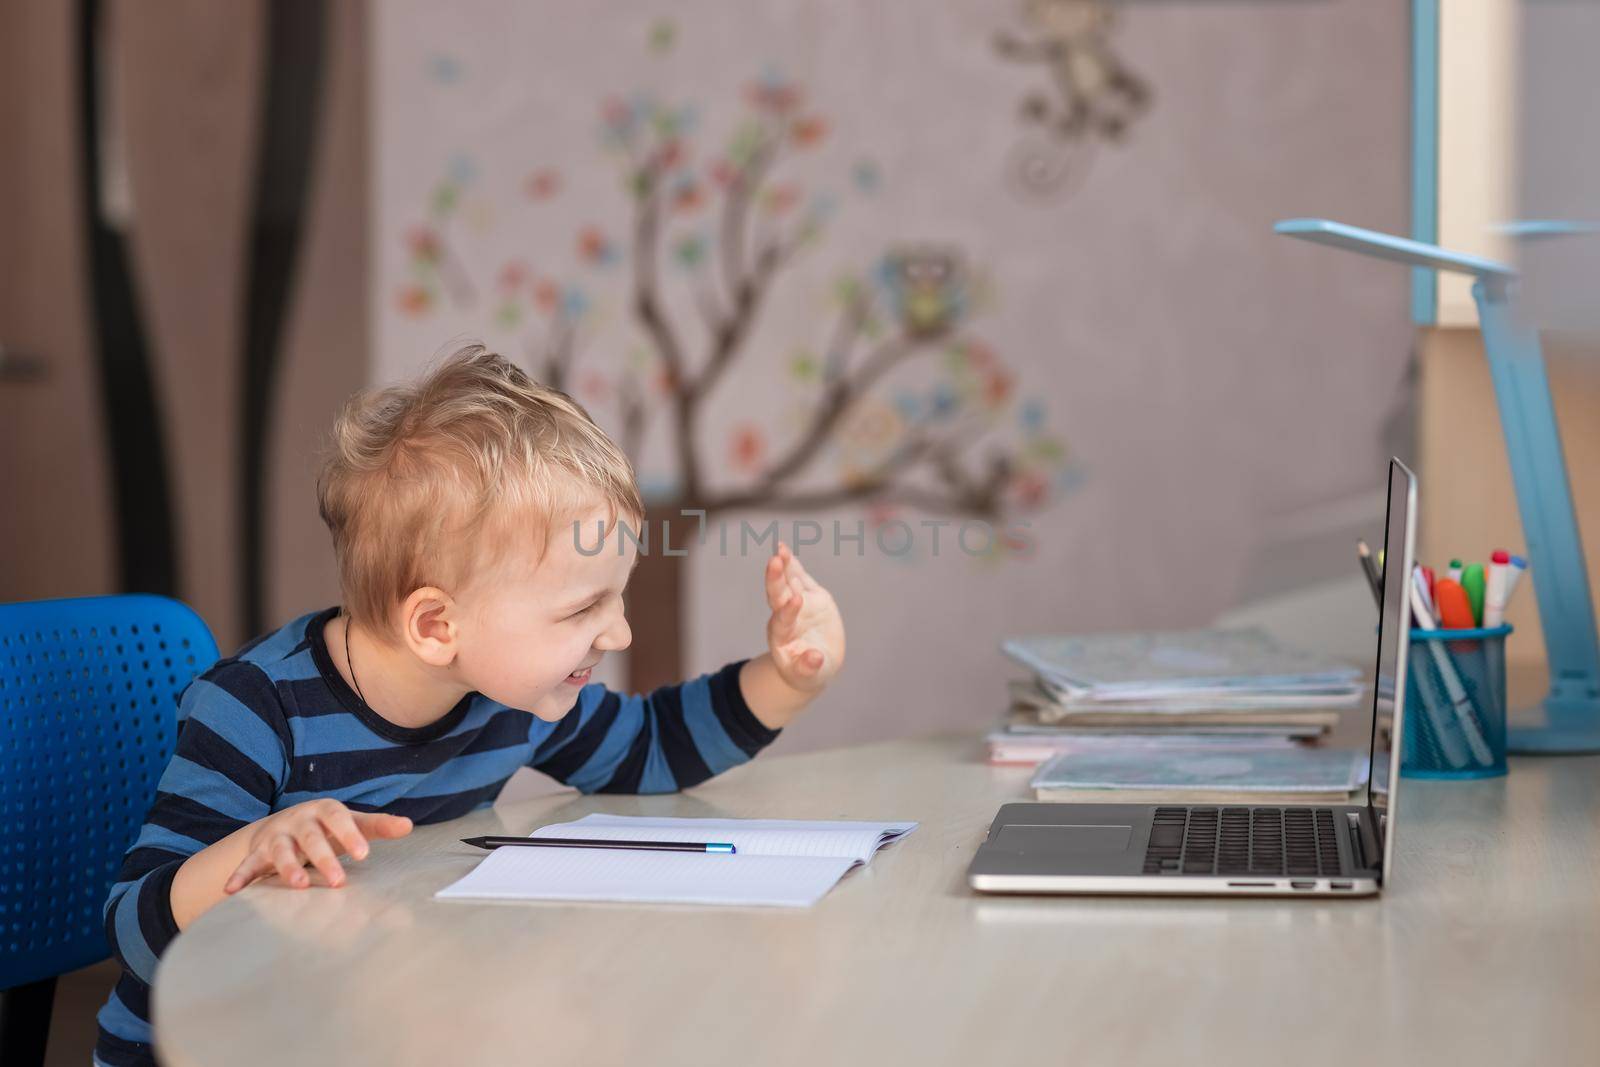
point(805, 633)
point(315, 832)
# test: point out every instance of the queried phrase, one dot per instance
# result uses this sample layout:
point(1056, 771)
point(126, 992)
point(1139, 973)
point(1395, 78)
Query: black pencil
point(595, 842)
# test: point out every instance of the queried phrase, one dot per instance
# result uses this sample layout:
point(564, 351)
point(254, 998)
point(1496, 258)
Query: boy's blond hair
point(425, 481)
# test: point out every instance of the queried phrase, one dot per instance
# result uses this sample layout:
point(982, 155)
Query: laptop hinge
point(1364, 848)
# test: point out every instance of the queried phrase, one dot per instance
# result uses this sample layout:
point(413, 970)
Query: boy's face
point(533, 630)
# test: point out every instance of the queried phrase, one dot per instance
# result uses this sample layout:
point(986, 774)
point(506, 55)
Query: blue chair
point(88, 719)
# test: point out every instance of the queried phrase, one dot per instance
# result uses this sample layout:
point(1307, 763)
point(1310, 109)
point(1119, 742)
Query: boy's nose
point(615, 637)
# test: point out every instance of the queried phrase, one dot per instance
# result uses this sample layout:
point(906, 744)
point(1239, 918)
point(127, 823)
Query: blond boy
point(473, 617)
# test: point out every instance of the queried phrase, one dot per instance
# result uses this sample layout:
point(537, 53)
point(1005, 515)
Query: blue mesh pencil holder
point(1455, 721)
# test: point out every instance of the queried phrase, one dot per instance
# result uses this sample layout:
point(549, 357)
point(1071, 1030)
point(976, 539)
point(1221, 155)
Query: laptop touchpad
point(1062, 840)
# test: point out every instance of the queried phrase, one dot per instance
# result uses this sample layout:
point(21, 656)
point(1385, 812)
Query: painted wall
point(1210, 385)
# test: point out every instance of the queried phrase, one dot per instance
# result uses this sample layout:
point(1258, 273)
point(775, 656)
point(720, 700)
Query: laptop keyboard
point(1259, 841)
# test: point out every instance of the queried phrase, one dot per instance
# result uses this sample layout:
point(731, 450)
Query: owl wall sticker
point(927, 288)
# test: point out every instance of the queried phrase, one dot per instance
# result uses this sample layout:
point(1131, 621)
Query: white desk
point(1486, 948)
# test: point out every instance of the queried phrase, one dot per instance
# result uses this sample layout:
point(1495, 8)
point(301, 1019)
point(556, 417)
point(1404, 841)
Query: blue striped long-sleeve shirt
point(276, 724)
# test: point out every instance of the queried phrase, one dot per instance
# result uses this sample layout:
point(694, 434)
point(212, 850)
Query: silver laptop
point(1310, 850)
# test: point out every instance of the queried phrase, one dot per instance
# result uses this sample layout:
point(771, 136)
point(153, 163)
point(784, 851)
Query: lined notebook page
point(780, 862)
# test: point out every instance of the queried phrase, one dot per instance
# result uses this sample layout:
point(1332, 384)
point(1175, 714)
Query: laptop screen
point(1394, 622)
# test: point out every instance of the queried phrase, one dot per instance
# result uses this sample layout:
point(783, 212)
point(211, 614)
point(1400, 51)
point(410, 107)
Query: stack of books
point(1147, 697)
point(1203, 776)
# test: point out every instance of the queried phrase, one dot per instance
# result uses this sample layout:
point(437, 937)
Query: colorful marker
point(1455, 608)
point(1494, 593)
point(1420, 583)
point(1454, 571)
point(1428, 576)
point(1473, 582)
point(1514, 575)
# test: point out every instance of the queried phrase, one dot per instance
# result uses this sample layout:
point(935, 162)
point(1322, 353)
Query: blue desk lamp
point(1538, 470)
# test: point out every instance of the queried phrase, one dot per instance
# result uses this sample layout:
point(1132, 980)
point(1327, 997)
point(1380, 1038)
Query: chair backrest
point(88, 718)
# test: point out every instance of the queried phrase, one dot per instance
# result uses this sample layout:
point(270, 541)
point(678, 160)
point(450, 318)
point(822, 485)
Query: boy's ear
point(429, 625)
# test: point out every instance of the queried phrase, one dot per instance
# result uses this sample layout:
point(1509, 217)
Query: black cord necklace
point(350, 663)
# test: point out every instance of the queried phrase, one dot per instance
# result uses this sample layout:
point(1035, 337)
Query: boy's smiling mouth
point(580, 676)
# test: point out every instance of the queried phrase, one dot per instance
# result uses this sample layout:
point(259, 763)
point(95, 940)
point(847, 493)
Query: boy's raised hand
point(805, 633)
point(315, 832)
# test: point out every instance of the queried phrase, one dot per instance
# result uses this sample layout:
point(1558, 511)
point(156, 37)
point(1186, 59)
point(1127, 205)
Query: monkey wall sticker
point(1092, 95)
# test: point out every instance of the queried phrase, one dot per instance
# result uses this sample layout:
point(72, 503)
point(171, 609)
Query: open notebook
point(781, 862)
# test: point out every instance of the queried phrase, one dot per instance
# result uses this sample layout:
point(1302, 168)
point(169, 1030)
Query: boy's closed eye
point(583, 608)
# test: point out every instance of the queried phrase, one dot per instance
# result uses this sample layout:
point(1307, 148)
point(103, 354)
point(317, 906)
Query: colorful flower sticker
point(1070, 478)
point(423, 241)
point(670, 153)
point(778, 199)
point(574, 302)
point(445, 69)
point(462, 169)
point(638, 183)
point(686, 195)
point(808, 131)
point(1030, 489)
point(774, 95)
point(997, 389)
point(747, 447)
point(690, 250)
point(803, 366)
point(594, 248)
point(594, 387)
point(1045, 449)
point(513, 275)
point(873, 428)
point(879, 512)
point(663, 34)
point(617, 116)
point(542, 184)
point(445, 198)
point(414, 300)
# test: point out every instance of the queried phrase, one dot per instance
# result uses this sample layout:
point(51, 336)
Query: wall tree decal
point(732, 224)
